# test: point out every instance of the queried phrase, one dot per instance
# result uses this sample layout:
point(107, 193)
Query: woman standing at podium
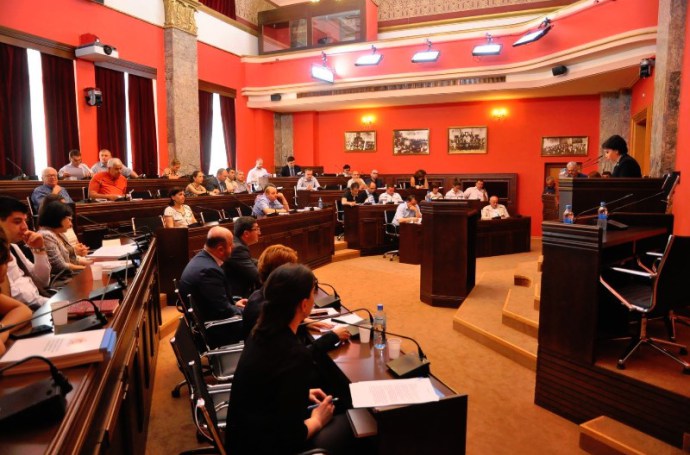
point(272, 388)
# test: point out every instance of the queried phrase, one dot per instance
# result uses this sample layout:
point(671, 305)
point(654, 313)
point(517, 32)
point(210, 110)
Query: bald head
point(49, 176)
point(219, 242)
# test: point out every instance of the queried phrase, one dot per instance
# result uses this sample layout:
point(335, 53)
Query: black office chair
point(243, 210)
point(212, 216)
point(214, 334)
point(32, 212)
point(340, 218)
point(660, 293)
point(391, 232)
point(143, 194)
point(147, 225)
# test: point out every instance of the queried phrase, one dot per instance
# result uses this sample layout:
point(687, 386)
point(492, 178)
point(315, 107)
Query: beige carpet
point(502, 416)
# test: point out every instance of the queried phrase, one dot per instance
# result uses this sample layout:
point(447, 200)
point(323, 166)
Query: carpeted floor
point(502, 416)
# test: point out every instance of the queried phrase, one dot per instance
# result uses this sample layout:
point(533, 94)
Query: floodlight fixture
point(370, 59)
point(322, 72)
point(429, 55)
point(531, 37)
point(490, 48)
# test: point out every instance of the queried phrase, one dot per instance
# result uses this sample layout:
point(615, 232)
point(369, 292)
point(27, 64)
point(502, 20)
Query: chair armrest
point(654, 254)
point(219, 388)
point(229, 349)
point(633, 272)
point(232, 320)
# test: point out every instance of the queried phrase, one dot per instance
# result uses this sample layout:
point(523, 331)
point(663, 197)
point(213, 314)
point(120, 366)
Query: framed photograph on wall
point(467, 140)
point(360, 141)
point(564, 146)
point(411, 142)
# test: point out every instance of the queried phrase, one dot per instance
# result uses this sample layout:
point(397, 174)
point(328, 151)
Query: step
point(540, 261)
point(519, 313)
point(339, 244)
point(537, 292)
point(345, 254)
point(605, 436)
point(480, 317)
point(525, 274)
point(169, 318)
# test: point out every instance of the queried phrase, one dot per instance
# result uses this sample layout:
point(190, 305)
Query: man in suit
point(374, 177)
point(205, 280)
point(291, 169)
point(240, 268)
point(219, 182)
point(616, 150)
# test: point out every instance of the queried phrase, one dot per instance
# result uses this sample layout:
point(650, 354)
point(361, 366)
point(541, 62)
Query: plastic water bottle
point(602, 218)
point(379, 327)
point(568, 215)
point(320, 203)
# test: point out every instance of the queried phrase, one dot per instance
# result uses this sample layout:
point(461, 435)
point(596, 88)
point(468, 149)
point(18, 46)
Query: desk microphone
point(22, 175)
point(95, 321)
point(37, 401)
point(596, 207)
point(660, 193)
point(593, 160)
point(131, 236)
point(241, 202)
point(221, 214)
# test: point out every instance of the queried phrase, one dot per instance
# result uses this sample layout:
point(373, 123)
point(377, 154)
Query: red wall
point(514, 143)
point(642, 95)
point(681, 202)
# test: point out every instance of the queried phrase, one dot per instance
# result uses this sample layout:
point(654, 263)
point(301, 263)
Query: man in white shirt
point(390, 196)
point(102, 165)
point(308, 181)
point(256, 173)
point(477, 192)
point(24, 277)
point(494, 211)
point(408, 212)
point(356, 178)
point(75, 169)
point(455, 192)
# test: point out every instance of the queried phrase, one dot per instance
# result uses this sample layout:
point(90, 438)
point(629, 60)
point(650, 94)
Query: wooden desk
point(576, 313)
point(411, 243)
point(364, 228)
point(307, 198)
point(108, 410)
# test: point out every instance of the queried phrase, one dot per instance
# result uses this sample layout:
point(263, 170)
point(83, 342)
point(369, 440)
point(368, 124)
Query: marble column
point(667, 84)
point(614, 115)
point(182, 83)
point(283, 134)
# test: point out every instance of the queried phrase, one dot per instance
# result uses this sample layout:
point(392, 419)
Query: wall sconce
point(499, 113)
point(368, 120)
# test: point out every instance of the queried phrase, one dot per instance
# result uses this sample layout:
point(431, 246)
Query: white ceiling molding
point(220, 34)
point(152, 12)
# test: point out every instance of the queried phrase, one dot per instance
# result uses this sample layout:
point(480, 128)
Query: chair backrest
point(32, 212)
point(142, 194)
point(205, 416)
point(340, 214)
point(147, 224)
point(244, 211)
point(185, 349)
point(209, 216)
point(674, 268)
point(225, 335)
point(390, 228)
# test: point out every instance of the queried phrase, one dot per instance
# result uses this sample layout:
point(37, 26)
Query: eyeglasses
point(257, 228)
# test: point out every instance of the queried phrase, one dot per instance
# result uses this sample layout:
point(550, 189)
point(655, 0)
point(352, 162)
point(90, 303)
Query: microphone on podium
point(596, 207)
point(95, 321)
point(660, 193)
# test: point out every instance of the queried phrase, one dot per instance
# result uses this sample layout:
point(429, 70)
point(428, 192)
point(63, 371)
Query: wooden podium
point(449, 257)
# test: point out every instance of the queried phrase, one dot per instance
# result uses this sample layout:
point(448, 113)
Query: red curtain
point(142, 125)
point(112, 134)
point(60, 102)
point(205, 128)
point(226, 7)
point(227, 113)
point(16, 142)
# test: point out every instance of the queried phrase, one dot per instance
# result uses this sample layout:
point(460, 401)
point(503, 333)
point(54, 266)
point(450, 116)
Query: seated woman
point(178, 214)
point(79, 248)
point(271, 391)
point(418, 180)
point(197, 188)
point(434, 194)
point(54, 220)
point(11, 311)
point(173, 172)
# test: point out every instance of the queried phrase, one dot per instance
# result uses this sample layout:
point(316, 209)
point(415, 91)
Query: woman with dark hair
point(418, 180)
point(54, 220)
point(272, 388)
point(11, 311)
point(79, 248)
point(177, 214)
point(196, 187)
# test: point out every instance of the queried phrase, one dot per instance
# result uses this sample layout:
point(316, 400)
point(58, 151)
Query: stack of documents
point(105, 253)
point(389, 392)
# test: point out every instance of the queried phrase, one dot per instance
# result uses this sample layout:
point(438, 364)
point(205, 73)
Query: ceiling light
point(531, 37)
point(428, 55)
point(490, 48)
point(369, 59)
point(322, 72)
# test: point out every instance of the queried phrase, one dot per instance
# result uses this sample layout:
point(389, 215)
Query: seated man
point(218, 184)
point(407, 212)
point(374, 177)
point(256, 174)
point(291, 169)
point(571, 170)
point(494, 211)
point(50, 186)
point(204, 279)
point(110, 184)
point(477, 192)
point(455, 192)
point(390, 196)
point(346, 171)
point(356, 178)
point(370, 194)
point(550, 185)
point(353, 196)
point(27, 279)
point(102, 165)
point(308, 182)
point(240, 268)
point(268, 203)
point(75, 169)
point(241, 186)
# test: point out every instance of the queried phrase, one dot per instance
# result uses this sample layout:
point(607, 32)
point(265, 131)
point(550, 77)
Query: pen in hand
point(314, 406)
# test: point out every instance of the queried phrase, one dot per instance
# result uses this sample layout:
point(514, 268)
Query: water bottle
point(568, 215)
point(379, 327)
point(602, 217)
point(428, 196)
point(320, 203)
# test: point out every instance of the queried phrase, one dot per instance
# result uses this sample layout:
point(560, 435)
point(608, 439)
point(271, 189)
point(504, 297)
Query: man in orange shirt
point(110, 184)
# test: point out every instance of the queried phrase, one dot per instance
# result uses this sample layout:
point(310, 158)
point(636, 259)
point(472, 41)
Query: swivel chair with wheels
point(391, 232)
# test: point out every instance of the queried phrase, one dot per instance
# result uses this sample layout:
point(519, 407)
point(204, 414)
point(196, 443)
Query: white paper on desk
point(114, 251)
point(328, 311)
point(349, 318)
point(369, 394)
point(110, 265)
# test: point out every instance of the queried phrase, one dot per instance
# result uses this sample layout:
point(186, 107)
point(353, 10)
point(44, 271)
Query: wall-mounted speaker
point(646, 66)
point(559, 70)
point(276, 97)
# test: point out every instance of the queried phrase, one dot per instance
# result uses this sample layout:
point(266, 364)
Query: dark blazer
point(205, 280)
point(214, 184)
point(285, 171)
point(626, 167)
point(240, 270)
point(379, 182)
